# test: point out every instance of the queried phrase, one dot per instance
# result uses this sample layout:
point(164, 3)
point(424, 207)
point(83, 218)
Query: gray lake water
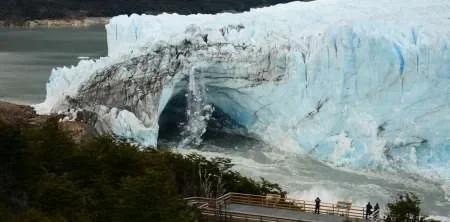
point(27, 57)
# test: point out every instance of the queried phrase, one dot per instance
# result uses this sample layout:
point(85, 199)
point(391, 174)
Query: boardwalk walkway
point(292, 215)
point(272, 208)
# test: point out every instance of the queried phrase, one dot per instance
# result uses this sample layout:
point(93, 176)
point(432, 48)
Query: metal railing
point(375, 216)
point(300, 205)
point(218, 206)
point(210, 209)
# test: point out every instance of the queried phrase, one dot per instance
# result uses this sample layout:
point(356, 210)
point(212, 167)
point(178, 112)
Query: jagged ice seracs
point(354, 83)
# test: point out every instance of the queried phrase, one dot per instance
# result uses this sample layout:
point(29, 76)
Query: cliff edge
point(13, 114)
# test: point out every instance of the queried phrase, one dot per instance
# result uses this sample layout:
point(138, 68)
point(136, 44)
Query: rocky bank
point(13, 114)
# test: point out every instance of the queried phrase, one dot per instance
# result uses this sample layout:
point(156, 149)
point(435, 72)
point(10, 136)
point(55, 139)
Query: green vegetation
point(42, 9)
point(406, 207)
point(46, 176)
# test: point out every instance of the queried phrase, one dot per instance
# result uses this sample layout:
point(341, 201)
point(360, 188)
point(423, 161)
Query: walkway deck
point(293, 215)
point(273, 208)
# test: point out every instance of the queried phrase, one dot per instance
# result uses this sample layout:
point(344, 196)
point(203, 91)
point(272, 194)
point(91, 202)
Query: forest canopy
point(46, 176)
point(44, 9)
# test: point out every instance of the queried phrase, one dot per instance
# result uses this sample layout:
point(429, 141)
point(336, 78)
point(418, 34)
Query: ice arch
point(338, 82)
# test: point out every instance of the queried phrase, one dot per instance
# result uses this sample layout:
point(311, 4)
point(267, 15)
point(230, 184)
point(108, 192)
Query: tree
point(45, 176)
point(151, 198)
point(18, 10)
point(406, 207)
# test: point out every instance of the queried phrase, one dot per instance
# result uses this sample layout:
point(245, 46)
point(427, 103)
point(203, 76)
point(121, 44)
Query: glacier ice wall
point(355, 83)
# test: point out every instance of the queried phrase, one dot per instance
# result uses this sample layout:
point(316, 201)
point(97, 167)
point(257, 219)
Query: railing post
point(219, 206)
point(304, 206)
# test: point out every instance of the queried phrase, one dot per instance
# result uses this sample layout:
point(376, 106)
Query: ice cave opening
point(172, 118)
point(219, 126)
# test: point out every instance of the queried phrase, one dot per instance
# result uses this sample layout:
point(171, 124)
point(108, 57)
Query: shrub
point(406, 207)
point(46, 176)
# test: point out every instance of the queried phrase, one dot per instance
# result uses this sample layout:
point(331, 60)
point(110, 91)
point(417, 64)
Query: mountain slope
point(45, 9)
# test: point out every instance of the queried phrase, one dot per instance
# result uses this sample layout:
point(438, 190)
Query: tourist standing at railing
point(368, 210)
point(376, 211)
point(317, 210)
point(388, 219)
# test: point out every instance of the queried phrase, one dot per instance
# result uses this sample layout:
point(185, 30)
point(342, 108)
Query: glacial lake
point(27, 57)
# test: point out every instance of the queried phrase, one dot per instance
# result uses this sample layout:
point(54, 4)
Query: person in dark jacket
point(317, 210)
point(376, 211)
point(388, 219)
point(368, 210)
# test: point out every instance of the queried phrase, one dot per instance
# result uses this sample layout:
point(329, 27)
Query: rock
point(22, 115)
point(18, 114)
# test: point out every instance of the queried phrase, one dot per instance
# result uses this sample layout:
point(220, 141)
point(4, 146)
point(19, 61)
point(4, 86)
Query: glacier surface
point(355, 83)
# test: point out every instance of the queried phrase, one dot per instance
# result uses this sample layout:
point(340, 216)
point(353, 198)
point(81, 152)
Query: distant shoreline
point(55, 23)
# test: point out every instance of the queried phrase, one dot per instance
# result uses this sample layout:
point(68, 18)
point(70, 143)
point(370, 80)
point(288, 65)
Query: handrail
point(374, 216)
point(286, 199)
point(261, 218)
point(307, 206)
point(275, 202)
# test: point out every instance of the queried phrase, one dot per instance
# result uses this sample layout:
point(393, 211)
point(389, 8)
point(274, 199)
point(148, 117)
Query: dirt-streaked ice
point(355, 83)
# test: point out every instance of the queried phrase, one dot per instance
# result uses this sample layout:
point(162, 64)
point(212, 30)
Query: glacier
point(355, 83)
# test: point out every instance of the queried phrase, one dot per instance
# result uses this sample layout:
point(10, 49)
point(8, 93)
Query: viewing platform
point(272, 208)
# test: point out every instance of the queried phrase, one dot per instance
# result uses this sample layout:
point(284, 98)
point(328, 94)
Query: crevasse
point(356, 83)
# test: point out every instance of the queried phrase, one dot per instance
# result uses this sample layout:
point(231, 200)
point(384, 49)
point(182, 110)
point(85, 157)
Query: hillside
point(20, 10)
point(48, 175)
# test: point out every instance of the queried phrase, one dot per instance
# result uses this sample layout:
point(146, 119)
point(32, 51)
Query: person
point(388, 219)
point(368, 210)
point(317, 210)
point(376, 211)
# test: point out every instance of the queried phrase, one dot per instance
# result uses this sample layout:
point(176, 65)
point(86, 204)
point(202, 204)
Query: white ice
point(364, 84)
